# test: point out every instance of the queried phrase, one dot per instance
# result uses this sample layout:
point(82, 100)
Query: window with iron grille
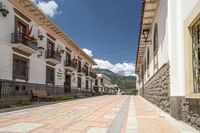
point(148, 59)
point(155, 46)
point(196, 55)
point(155, 39)
point(50, 75)
point(20, 67)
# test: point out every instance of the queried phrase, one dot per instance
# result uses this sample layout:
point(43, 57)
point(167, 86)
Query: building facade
point(102, 84)
point(35, 50)
point(168, 57)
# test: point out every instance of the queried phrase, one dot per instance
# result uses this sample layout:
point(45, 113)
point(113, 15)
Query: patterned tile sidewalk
point(151, 119)
point(80, 116)
point(104, 114)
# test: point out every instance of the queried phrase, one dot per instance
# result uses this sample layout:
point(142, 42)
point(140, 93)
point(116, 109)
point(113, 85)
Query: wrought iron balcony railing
point(69, 64)
point(53, 55)
point(93, 75)
point(25, 40)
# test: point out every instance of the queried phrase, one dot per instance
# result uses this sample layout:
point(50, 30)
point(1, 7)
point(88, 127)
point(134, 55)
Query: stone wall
point(157, 89)
point(190, 112)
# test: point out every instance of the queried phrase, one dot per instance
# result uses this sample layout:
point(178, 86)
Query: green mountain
point(124, 82)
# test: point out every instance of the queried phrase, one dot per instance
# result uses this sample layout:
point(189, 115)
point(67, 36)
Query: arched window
point(155, 39)
point(155, 47)
point(148, 58)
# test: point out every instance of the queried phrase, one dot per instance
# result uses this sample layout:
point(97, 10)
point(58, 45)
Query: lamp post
point(41, 50)
point(3, 10)
point(146, 34)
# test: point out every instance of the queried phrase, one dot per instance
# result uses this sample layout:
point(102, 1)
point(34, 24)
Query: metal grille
point(196, 55)
point(20, 67)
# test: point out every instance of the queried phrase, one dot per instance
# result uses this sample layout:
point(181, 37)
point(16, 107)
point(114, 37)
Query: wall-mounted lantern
point(62, 51)
point(3, 10)
point(41, 51)
point(40, 36)
point(146, 34)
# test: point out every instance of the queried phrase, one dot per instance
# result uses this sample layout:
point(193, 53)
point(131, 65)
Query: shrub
point(66, 97)
point(23, 102)
point(4, 105)
point(61, 98)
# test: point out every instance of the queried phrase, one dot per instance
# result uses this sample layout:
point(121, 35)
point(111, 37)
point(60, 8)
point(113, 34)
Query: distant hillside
point(124, 82)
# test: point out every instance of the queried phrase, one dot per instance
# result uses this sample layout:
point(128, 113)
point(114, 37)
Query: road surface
point(103, 114)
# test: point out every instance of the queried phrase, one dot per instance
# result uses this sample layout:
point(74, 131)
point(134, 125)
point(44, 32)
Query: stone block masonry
point(190, 112)
point(156, 90)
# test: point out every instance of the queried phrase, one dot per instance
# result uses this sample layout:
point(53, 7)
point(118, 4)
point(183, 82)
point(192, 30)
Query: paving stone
point(21, 127)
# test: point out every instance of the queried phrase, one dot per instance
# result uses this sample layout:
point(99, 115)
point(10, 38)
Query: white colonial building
point(34, 50)
point(168, 57)
point(102, 83)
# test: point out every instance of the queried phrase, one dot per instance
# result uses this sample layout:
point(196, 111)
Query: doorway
point(67, 83)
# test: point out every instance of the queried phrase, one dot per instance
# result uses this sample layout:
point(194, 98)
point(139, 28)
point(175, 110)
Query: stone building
point(168, 57)
point(36, 52)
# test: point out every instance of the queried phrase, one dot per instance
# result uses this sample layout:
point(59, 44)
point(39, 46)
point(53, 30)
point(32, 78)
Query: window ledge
point(193, 96)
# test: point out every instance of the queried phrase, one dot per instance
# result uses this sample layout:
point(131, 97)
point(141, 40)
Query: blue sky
point(106, 29)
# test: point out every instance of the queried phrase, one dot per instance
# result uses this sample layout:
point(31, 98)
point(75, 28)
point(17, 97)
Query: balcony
point(53, 57)
point(24, 43)
point(93, 75)
point(71, 66)
point(81, 72)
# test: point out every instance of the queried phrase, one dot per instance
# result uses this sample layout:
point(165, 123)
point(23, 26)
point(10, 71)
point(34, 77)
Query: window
point(148, 58)
point(96, 82)
point(68, 59)
point(79, 82)
point(196, 55)
point(87, 85)
point(155, 46)
point(155, 39)
point(86, 70)
point(50, 48)
point(20, 67)
point(49, 75)
point(79, 66)
point(20, 26)
point(101, 81)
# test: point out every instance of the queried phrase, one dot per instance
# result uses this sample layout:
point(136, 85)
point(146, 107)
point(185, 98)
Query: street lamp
point(146, 34)
point(3, 10)
point(41, 50)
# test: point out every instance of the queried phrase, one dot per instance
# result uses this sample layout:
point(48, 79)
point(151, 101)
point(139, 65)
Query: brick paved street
point(111, 114)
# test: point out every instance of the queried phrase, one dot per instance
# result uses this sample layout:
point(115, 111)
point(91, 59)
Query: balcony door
point(87, 84)
point(79, 65)
point(67, 83)
point(20, 26)
point(68, 59)
point(50, 48)
point(79, 82)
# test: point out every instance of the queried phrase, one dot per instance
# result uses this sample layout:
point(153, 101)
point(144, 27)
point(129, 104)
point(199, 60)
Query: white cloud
point(126, 69)
point(50, 7)
point(88, 52)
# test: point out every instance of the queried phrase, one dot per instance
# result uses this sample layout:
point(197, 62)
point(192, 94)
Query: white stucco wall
point(37, 66)
point(163, 57)
point(170, 17)
point(178, 10)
